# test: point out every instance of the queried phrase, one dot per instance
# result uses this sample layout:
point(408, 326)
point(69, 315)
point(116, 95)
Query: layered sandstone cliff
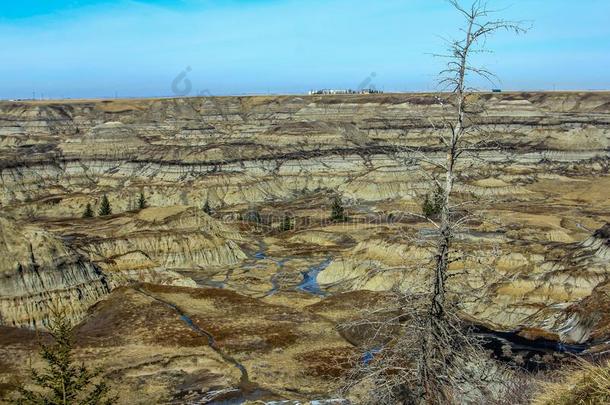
point(542, 189)
point(40, 273)
point(236, 149)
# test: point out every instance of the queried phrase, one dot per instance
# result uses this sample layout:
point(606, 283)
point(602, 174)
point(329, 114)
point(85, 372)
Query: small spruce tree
point(338, 212)
point(433, 203)
point(206, 208)
point(88, 211)
point(287, 224)
point(142, 202)
point(63, 381)
point(105, 208)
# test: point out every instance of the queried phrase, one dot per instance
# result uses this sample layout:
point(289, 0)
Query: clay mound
point(109, 133)
point(110, 139)
point(38, 270)
point(588, 320)
point(180, 218)
point(149, 245)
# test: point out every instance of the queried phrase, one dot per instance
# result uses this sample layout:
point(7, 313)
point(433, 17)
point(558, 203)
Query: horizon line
point(255, 94)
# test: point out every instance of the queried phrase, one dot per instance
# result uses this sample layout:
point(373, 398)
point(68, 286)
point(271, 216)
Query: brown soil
point(329, 363)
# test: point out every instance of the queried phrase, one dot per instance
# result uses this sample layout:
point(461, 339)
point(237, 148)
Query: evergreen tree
point(142, 202)
point(88, 211)
point(338, 212)
point(206, 208)
point(63, 381)
point(287, 224)
point(433, 203)
point(105, 208)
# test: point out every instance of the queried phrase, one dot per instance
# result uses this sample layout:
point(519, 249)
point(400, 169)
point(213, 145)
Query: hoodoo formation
point(243, 302)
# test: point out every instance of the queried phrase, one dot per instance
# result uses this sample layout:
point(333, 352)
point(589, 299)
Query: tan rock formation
point(184, 151)
point(43, 270)
point(39, 271)
point(502, 290)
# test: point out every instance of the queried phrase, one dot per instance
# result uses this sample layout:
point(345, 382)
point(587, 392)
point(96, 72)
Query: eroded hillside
point(535, 256)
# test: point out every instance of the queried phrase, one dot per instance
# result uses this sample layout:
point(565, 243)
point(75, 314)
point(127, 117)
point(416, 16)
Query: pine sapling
point(88, 211)
point(105, 208)
point(63, 381)
point(338, 212)
point(287, 224)
point(142, 202)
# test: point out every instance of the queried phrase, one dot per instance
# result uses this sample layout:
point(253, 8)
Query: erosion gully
point(246, 390)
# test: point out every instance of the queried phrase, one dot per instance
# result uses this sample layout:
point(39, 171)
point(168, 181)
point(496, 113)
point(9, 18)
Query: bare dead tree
point(461, 126)
point(457, 138)
point(424, 354)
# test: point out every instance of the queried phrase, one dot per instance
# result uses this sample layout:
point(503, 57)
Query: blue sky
point(103, 48)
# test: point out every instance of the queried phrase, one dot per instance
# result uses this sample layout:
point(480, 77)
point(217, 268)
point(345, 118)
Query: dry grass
point(518, 388)
point(328, 363)
point(586, 384)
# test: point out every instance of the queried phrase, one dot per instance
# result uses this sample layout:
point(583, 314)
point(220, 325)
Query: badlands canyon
point(178, 306)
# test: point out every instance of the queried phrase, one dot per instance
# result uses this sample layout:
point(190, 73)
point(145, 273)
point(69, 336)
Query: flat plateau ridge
point(150, 289)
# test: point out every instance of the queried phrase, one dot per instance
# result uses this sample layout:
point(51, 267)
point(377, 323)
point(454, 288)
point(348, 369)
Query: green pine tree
point(63, 381)
point(338, 212)
point(433, 203)
point(287, 224)
point(206, 208)
point(88, 211)
point(105, 208)
point(142, 202)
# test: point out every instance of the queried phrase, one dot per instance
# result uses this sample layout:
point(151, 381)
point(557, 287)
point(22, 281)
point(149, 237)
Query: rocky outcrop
point(589, 318)
point(377, 265)
point(171, 237)
point(40, 272)
point(88, 257)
